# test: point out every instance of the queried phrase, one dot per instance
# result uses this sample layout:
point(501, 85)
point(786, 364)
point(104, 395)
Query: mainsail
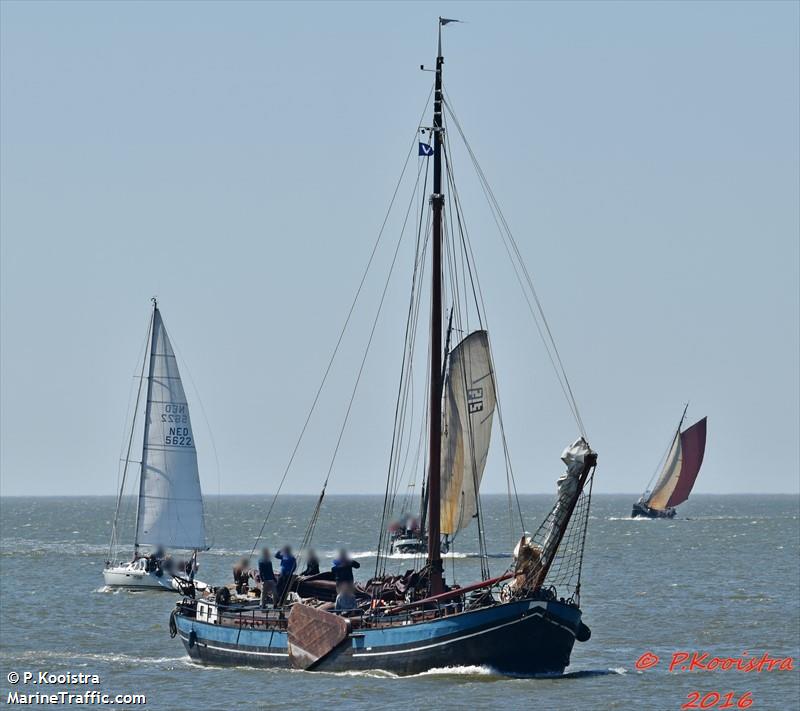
point(467, 428)
point(170, 509)
point(680, 468)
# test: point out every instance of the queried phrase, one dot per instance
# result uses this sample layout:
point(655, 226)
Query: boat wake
point(631, 518)
point(477, 672)
point(87, 658)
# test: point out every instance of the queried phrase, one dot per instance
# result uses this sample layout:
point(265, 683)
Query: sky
point(237, 160)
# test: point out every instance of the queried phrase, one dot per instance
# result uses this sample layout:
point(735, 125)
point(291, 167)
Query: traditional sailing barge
point(523, 622)
point(677, 475)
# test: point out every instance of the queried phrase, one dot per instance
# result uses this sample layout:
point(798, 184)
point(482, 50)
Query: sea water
point(721, 579)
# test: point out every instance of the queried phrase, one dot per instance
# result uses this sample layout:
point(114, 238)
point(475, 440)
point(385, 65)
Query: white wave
point(630, 518)
point(471, 670)
point(73, 656)
point(411, 556)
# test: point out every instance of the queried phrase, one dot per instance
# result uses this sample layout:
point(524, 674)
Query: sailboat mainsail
point(680, 468)
point(469, 405)
point(170, 511)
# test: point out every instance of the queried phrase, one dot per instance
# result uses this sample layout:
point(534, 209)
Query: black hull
point(644, 511)
point(536, 642)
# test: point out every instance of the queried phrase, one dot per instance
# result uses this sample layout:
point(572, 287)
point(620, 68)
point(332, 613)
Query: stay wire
point(341, 334)
point(555, 357)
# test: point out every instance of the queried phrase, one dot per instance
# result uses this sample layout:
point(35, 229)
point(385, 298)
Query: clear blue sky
point(236, 159)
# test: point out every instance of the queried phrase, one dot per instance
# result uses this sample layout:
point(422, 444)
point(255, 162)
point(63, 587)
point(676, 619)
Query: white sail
point(469, 405)
point(170, 512)
point(670, 475)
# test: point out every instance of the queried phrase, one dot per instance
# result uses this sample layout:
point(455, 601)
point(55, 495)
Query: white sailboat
point(169, 512)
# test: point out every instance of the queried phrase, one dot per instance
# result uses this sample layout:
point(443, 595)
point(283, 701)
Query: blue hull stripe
point(185, 638)
point(401, 639)
point(452, 640)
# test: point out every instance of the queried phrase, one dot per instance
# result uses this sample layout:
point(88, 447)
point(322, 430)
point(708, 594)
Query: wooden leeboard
point(313, 634)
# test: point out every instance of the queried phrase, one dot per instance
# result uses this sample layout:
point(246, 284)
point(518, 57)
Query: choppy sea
point(723, 578)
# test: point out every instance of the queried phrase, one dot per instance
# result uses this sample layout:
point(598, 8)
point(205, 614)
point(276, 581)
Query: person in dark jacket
point(312, 564)
point(241, 575)
point(343, 572)
point(267, 575)
point(288, 566)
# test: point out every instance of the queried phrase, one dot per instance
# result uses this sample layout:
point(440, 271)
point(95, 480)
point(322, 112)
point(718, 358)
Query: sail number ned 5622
point(176, 436)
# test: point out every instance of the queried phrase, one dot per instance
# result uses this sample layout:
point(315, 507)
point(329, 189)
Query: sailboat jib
point(680, 468)
point(469, 405)
point(170, 512)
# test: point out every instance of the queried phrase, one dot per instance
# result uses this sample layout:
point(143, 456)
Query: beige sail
point(469, 405)
point(670, 476)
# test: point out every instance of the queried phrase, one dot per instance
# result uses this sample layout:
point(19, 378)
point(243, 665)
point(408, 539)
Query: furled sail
point(469, 404)
point(170, 509)
point(680, 468)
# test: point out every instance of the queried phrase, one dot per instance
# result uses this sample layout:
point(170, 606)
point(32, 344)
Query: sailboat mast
point(683, 417)
point(435, 398)
point(147, 402)
point(111, 550)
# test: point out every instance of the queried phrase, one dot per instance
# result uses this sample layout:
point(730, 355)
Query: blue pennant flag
point(425, 149)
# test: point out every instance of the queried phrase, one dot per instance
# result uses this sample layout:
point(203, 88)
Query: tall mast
point(111, 548)
point(683, 417)
point(435, 397)
point(146, 422)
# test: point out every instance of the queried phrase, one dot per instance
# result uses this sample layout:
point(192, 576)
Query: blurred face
point(265, 553)
point(343, 554)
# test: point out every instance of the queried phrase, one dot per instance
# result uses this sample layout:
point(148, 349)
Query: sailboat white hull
point(130, 575)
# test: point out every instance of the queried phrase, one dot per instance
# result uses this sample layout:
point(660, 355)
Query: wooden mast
point(435, 396)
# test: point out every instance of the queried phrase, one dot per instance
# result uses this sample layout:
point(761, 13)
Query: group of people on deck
point(275, 586)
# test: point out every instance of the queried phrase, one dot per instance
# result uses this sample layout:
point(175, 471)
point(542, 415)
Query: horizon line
point(341, 494)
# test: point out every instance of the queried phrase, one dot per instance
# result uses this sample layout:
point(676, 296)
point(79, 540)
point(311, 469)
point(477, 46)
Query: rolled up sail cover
point(579, 458)
point(469, 405)
point(170, 502)
point(680, 468)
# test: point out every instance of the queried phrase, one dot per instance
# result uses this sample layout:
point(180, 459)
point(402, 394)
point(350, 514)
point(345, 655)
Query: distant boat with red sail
point(677, 475)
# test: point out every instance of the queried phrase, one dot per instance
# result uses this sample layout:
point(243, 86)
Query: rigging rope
point(505, 232)
point(341, 334)
point(112, 544)
point(312, 524)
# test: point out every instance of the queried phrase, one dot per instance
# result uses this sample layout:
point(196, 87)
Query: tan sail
point(469, 405)
point(670, 476)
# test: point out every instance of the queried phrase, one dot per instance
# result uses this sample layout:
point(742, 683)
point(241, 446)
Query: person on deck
point(241, 574)
point(312, 564)
point(288, 566)
point(268, 584)
point(343, 572)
